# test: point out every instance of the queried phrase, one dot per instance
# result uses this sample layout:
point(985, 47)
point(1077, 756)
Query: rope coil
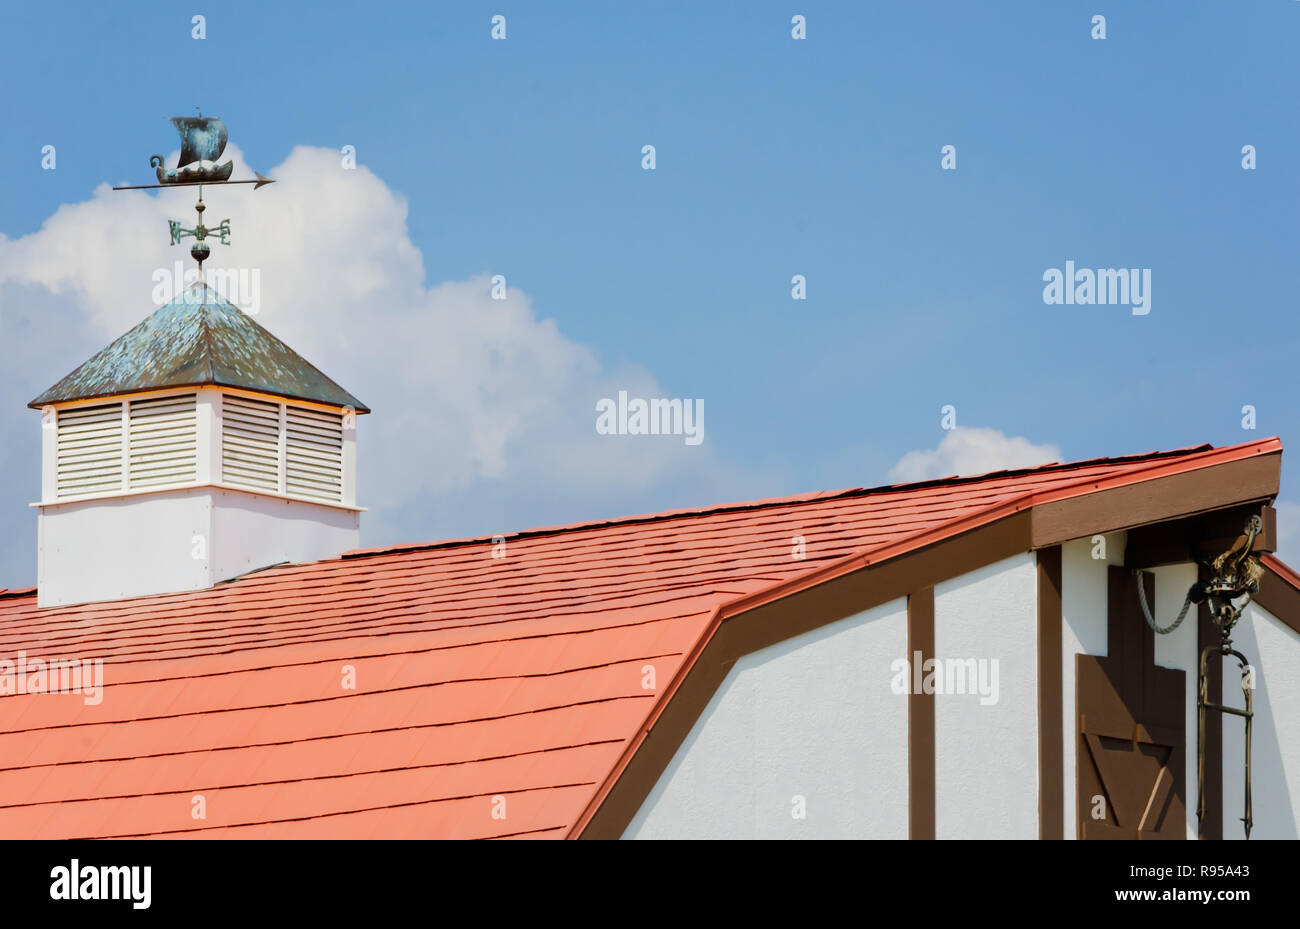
point(1146, 609)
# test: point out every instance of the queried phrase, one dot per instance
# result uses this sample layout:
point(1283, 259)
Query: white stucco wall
point(813, 717)
point(1274, 651)
point(986, 756)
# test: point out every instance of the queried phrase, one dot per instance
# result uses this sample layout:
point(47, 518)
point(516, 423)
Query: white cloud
point(972, 451)
point(484, 412)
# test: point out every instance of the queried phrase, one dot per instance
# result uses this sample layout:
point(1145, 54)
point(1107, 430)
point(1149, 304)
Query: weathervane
point(203, 139)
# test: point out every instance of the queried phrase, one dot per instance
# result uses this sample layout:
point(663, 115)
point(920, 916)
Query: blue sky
point(775, 157)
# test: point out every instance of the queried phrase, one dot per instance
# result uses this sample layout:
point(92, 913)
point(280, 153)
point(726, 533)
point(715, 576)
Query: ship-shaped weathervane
point(203, 139)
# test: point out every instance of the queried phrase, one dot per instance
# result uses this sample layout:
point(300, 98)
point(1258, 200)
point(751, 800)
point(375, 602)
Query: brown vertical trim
point(920, 717)
point(1279, 595)
point(1051, 711)
point(1207, 634)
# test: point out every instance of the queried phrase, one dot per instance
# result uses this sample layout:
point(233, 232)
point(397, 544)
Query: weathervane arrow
point(203, 139)
point(259, 182)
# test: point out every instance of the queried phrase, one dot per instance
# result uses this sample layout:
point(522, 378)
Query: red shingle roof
point(510, 686)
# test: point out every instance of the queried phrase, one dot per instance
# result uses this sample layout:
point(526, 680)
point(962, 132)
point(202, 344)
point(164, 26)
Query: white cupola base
point(187, 539)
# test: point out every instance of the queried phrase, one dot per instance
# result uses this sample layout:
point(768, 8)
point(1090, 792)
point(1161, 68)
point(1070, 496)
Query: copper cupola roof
point(198, 339)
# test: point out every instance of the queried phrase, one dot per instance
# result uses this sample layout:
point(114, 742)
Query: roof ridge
point(206, 323)
point(807, 497)
point(360, 407)
point(753, 505)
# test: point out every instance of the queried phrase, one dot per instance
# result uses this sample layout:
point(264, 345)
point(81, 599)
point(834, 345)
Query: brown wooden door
point(1131, 728)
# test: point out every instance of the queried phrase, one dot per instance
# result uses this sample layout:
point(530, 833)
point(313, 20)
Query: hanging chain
point(1233, 574)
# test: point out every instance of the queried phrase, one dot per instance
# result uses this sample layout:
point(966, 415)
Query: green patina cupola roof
point(199, 339)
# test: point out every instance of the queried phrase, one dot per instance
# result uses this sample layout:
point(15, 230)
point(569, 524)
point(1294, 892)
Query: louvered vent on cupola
point(89, 450)
point(162, 442)
point(250, 444)
point(195, 448)
point(313, 453)
point(282, 448)
point(112, 448)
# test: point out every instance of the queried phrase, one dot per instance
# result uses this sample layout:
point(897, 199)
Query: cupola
point(195, 448)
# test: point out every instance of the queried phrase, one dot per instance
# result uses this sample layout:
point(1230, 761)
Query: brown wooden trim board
point(1207, 634)
point(1051, 710)
point(920, 719)
point(1280, 598)
point(1176, 496)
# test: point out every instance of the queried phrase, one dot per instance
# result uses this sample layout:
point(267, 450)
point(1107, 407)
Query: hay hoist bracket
point(1230, 581)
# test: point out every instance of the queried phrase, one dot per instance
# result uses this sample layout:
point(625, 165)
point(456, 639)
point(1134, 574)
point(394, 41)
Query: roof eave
point(43, 401)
